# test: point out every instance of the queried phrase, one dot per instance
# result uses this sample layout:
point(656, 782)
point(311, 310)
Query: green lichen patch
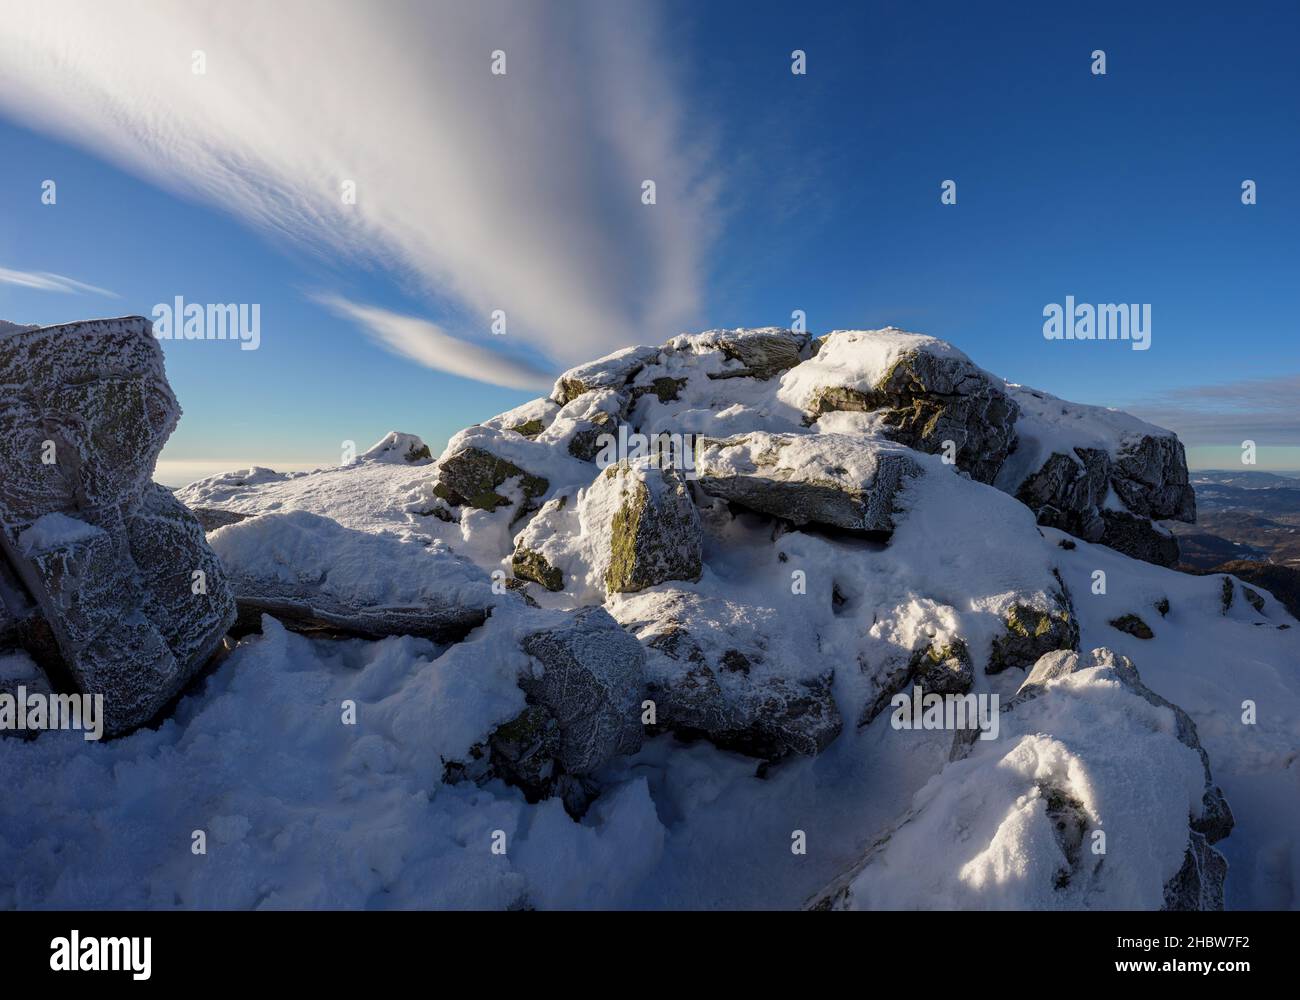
point(665, 388)
point(529, 428)
point(1030, 632)
point(529, 564)
point(470, 478)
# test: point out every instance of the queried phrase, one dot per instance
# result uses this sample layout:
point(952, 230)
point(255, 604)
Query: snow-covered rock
point(920, 391)
point(1100, 474)
point(733, 672)
point(1096, 796)
point(395, 446)
point(697, 684)
point(133, 599)
point(315, 575)
point(610, 372)
point(826, 479)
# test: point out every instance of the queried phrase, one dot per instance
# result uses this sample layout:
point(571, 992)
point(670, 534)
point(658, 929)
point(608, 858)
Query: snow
point(858, 359)
point(398, 448)
point(979, 836)
point(304, 811)
point(55, 531)
point(375, 570)
point(1048, 424)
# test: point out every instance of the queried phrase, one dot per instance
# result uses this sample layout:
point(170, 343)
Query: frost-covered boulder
point(315, 575)
point(132, 600)
point(1198, 884)
point(590, 675)
point(737, 674)
point(1093, 796)
point(634, 527)
point(826, 479)
point(919, 391)
point(614, 371)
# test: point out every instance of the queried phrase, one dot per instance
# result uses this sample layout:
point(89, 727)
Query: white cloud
point(517, 192)
point(433, 347)
point(46, 281)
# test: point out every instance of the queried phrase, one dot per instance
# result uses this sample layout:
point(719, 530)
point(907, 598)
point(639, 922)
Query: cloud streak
point(430, 345)
point(1266, 411)
point(46, 281)
point(519, 192)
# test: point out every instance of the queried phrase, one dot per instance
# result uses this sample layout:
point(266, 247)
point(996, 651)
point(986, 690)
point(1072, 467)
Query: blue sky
point(775, 192)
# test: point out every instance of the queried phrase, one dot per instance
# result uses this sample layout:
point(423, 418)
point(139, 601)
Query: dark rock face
point(762, 353)
point(1133, 625)
point(133, 600)
point(1149, 475)
point(927, 400)
point(655, 533)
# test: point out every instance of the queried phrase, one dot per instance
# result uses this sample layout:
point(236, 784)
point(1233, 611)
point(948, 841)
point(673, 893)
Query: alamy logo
point(1106, 321)
point(919, 710)
point(665, 451)
point(181, 320)
point(95, 954)
point(27, 711)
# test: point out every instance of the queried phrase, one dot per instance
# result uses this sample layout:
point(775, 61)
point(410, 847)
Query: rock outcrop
point(590, 678)
point(720, 670)
point(825, 479)
point(132, 599)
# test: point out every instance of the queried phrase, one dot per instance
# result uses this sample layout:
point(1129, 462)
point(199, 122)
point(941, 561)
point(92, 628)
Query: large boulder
point(760, 353)
point(634, 527)
point(736, 674)
point(1099, 474)
point(317, 576)
point(923, 393)
point(652, 524)
point(132, 600)
point(1198, 884)
point(1088, 798)
point(832, 480)
point(473, 477)
point(589, 674)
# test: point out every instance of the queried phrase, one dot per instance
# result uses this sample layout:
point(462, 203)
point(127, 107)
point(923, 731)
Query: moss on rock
point(1133, 625)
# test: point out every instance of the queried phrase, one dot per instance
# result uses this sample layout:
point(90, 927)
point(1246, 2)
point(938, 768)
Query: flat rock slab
point(827, 479)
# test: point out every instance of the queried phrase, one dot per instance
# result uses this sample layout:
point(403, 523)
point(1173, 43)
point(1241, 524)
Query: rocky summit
point(670, 613)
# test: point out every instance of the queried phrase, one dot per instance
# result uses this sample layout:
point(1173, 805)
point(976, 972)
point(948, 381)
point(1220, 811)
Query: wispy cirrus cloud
point(46, 281)
point(431, 345)
point(519, 192)
point(1266, 411)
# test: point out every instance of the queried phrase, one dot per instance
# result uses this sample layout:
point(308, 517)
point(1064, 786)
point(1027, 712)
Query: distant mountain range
point(1247, 523)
